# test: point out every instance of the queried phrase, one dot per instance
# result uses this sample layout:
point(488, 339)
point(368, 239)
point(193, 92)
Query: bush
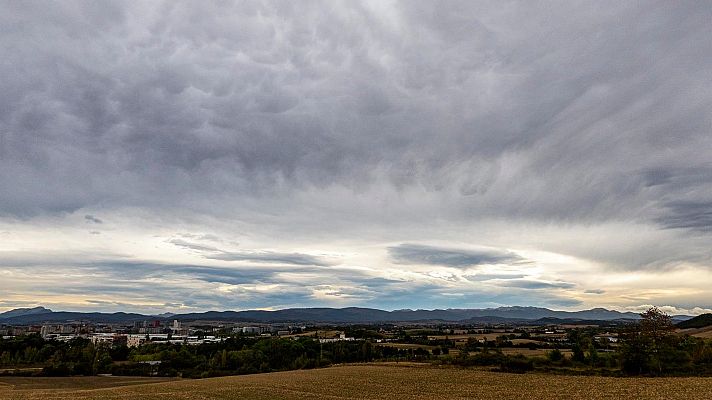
point(60, 369)
point(480, 359)
point(555, 355)
point(518, 364)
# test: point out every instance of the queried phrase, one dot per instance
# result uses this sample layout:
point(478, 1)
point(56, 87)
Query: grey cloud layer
point(591, 111)
point(405, 122)
point(263, 256)
point(433, 255)
point(271, 257)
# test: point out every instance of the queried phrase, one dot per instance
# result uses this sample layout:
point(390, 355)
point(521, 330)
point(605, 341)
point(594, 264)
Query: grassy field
point(382, 382)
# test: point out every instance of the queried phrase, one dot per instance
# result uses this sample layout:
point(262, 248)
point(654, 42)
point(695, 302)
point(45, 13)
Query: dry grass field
point(407, 346)
point(392, 382)
point(705, 333)
point(464, 337)
point(532, 353)
point(69, 383)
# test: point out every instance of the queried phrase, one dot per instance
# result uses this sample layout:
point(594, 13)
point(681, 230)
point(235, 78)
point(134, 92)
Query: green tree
point(657, 327)
point(592, 355)
point(649, 344)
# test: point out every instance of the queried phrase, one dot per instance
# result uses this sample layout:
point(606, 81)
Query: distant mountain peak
point(18, 312)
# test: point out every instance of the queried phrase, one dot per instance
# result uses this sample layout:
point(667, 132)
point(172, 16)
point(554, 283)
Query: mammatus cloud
point(573, 135)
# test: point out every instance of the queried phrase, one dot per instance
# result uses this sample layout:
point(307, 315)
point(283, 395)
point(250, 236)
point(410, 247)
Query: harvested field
point(532, 353)
point(75, 382)
point(382, 381)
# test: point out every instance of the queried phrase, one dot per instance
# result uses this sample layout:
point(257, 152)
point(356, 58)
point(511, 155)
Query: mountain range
point(349, 315)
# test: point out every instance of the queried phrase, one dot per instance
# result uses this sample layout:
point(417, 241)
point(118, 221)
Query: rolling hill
point(700, 321)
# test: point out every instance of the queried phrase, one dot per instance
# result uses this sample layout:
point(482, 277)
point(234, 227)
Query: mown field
point(380, 381)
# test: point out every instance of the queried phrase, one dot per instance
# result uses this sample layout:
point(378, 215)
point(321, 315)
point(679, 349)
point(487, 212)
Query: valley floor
point(368, 381)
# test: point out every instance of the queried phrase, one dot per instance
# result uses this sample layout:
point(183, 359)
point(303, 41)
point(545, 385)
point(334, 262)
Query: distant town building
point(251, 330)
point(136, 340)
point(103, 338)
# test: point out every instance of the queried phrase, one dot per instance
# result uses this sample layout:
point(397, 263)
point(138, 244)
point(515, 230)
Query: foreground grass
point(379, 381)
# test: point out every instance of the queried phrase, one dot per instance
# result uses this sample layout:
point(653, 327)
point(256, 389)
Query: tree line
point(234, 355)
point(648, 347)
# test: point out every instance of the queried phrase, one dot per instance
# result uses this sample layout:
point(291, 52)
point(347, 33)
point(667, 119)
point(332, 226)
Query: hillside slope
point(699, 321)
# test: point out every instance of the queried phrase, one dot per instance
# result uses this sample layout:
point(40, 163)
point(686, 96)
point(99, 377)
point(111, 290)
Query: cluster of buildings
point(155, 331)
point(341, 337)
point(267, 330)
point(138, 340)
point(141, 332)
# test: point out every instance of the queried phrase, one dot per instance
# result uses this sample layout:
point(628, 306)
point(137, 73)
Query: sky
point(191, 156)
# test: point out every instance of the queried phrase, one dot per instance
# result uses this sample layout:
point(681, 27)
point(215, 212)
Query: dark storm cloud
point(544, 113)
point(432, 255)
